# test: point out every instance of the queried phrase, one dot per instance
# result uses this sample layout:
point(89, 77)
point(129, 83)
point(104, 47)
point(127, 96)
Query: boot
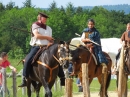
point(62, 81)
point(104, 67)
point(23, 84)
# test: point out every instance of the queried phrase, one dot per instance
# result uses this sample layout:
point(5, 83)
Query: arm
point(39, 36)
point(83, 39)
point(122, 38)
point(12, 68)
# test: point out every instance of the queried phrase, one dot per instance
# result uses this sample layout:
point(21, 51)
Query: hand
point(14, 69)
point(87, 40)
point(50, 39)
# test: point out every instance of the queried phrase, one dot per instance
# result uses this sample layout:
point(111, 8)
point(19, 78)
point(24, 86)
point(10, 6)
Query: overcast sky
point(46, 3)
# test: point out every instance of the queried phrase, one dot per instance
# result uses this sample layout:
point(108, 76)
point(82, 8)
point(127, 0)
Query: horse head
point(79, 56)
point(63, 54)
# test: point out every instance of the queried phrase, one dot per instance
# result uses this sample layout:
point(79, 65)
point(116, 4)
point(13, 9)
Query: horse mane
point(53, 47)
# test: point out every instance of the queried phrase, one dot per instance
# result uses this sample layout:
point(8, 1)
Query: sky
point(76, 3)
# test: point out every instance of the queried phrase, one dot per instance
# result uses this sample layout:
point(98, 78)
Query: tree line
point(65, 22)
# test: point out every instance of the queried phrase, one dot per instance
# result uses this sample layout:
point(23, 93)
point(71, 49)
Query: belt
point(39, 45)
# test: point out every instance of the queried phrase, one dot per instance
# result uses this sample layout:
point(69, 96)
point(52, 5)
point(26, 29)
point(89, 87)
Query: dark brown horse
point(45, 71)
point(82, 55)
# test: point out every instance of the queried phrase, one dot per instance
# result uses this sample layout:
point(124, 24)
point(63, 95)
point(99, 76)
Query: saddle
point(39, 52)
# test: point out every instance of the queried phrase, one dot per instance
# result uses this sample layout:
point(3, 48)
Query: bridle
point(58, 60)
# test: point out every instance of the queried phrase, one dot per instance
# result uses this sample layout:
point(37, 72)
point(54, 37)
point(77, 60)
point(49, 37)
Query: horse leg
point(36, 87)
point(107, 83)
point(29, 87)
point(46, 87)
point(101, 85)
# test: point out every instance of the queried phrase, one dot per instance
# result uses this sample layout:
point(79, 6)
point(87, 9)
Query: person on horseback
point(91, 39)
point(41, 36)
point(126, 38)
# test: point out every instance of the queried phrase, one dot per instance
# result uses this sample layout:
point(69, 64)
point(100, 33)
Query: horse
point(82, 55)
point(125, 72)
point(44, 72)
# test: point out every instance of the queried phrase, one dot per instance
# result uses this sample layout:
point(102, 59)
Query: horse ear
point(68, 42)
point(61, 42)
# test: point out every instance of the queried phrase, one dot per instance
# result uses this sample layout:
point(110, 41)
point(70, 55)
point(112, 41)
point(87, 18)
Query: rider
point(125, 37)
point(42, 35)
point(91, 35)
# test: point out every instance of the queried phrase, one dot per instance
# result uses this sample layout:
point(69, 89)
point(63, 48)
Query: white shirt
point(44, 32)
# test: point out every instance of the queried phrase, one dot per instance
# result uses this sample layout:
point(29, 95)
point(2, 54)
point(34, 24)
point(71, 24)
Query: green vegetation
point(63, 21)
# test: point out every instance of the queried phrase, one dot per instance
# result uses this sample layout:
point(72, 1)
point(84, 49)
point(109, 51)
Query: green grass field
point(95, 86)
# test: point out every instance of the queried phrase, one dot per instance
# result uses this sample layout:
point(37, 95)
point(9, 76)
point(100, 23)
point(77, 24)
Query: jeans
point(28, 60)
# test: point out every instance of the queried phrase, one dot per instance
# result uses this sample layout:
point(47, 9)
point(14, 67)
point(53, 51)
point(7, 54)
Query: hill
point(121, 7)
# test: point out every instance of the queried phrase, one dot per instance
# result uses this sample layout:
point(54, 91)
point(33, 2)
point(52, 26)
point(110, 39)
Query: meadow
point(94, 87)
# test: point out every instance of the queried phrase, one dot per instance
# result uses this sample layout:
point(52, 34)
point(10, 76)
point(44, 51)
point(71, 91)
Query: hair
point(91, 20)
point(3, 54)
point(38, 17)
point(128, 24)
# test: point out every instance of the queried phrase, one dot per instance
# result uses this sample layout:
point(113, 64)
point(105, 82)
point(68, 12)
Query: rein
point(51, 69)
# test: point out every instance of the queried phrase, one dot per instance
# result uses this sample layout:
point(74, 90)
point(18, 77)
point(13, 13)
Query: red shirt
point(5, 64)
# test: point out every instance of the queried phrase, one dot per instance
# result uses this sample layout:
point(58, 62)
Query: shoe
point(23, 83)
point(62, 81)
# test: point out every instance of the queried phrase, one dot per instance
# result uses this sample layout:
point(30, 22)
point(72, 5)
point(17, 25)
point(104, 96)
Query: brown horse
point(45, 71)
point(82, 55)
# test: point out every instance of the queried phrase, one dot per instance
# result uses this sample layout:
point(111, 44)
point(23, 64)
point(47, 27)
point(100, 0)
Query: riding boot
point(23, 83)
point(104, 67)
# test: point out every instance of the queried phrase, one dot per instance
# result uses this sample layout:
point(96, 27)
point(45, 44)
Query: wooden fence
point(4, 90)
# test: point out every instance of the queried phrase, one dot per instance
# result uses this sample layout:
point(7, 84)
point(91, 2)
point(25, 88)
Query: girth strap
point(51, 69)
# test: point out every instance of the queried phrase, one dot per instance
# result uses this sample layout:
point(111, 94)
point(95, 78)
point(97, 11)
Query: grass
point(94, 87)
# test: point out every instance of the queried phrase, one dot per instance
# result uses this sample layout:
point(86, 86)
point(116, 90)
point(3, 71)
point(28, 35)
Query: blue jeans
point(28, 61)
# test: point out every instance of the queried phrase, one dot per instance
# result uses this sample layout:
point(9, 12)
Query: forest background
point(65, 22)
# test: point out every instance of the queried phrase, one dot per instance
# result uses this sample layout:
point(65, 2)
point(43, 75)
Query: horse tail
point(108, 80)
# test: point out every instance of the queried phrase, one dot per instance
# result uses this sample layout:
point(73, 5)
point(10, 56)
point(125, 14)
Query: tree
point(28, 3)
point(10, 5)
point(52, 6)
point(2, 7)
point(79, 10)
point(70, 10)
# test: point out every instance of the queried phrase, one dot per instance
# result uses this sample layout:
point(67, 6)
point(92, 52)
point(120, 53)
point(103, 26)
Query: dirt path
point(110, 94)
